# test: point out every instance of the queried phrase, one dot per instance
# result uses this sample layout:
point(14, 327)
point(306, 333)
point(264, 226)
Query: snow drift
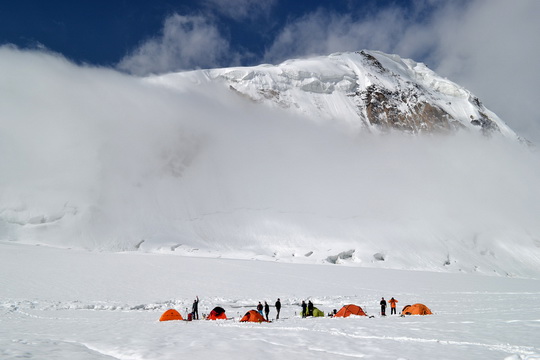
point(96, 159)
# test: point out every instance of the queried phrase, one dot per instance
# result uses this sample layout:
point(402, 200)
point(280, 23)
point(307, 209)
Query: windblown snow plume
point(267, 162)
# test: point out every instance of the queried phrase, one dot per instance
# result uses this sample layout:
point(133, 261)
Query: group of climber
point(383, 304)
point(266, 308)
point(307, 309)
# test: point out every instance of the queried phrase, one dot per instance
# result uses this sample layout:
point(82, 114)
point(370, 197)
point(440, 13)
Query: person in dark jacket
point(310, 308)
point(195, 309)
point(383, 307)
point(266, 310)
point(278, 308)
point(260, 308)
point(304, 309)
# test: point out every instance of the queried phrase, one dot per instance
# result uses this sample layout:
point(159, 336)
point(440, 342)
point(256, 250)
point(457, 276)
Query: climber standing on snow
point(383, 307)
point(278, 308)
point(393, 303)
point(310, 308)
point(266, 310)
point(195, 308)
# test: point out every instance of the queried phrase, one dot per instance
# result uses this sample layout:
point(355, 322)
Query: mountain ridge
point(365, 91)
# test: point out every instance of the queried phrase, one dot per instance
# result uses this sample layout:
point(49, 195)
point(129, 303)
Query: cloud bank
point(97, 159)
point(490, 47)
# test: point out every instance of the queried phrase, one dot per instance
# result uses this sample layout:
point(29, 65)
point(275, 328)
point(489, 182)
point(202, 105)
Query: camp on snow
point(216, 314)
point(416, 309)
point(349, 310)
point(171, 314)
point(253, 316)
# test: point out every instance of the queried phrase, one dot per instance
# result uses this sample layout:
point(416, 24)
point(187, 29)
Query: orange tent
point(349, 310)
point(171, 314)
point(216, 314)
point(253, 316)
point(416, 309)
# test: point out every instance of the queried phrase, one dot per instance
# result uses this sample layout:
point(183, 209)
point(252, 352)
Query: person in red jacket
point(393, 303)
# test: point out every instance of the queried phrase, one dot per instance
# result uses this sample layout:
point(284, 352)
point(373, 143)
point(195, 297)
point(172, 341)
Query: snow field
point(70, 304)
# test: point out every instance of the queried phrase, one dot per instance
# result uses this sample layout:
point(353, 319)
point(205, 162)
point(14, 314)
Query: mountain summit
point(365, 91)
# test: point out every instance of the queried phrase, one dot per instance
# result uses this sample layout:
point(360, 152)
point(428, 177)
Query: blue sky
point(488, 46)
point(102, 32)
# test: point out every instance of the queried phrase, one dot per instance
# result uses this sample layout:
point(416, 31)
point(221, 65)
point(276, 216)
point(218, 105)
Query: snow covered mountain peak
point(365, 91)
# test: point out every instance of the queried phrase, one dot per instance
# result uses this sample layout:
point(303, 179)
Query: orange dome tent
point(171, 314)
point(216, 314)
point(349, 310)
point(253, 316)
point(416, 309)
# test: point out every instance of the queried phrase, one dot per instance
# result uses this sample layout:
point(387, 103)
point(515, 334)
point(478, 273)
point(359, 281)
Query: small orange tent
point(416, 309)
point(171, 314)
point(349, 310)
point(216, 314)
point(253, 316)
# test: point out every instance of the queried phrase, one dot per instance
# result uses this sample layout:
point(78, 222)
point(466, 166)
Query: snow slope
point(98, 160)
point(72, 304)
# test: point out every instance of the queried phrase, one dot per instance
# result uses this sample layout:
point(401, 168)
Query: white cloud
point(241, 9)
point(186, 42)
point(490, 47)
point(322, 32)
point(102, 160)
